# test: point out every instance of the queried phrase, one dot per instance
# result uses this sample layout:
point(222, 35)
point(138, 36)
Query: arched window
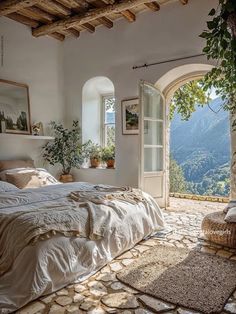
point(98, 111)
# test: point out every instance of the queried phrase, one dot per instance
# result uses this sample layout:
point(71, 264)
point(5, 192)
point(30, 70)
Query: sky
point(213, 94)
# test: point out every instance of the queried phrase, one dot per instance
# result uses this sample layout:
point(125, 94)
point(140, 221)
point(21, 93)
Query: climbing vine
point(220, 46)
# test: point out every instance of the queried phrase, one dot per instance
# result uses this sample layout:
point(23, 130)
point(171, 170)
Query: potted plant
point(66, 149)
point(108, 156)
point(94, 153)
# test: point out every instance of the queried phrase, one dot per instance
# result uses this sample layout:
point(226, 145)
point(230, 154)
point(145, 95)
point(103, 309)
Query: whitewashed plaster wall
point(56, 73)
point(39, 64)
point(170, 33)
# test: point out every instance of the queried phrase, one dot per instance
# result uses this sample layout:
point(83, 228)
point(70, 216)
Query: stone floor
point(102, 293)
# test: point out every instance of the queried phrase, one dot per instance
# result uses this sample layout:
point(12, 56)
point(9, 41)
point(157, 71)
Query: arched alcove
point(94, 91)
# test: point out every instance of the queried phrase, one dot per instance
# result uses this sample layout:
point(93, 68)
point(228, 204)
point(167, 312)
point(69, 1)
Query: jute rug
point(195, 280)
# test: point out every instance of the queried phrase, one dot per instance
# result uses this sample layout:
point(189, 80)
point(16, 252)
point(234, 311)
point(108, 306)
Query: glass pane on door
point(153, 132)
point(153, 103)
point(153, 159)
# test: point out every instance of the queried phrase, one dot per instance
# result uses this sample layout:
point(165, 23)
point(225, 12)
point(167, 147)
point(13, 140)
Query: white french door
point(152, 133)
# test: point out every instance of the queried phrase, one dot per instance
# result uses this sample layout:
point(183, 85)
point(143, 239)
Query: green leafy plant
point(220, 46)
point(187, 97)
point(108, 153)
point(94, 151)
point(220, 39)
point(66, 149)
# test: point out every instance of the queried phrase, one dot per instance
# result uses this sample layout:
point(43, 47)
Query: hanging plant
point(221, 46)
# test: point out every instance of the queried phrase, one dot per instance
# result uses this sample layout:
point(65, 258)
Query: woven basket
point(218, 231)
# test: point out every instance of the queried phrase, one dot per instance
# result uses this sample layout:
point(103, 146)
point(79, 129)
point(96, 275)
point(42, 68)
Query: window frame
point(103, 118)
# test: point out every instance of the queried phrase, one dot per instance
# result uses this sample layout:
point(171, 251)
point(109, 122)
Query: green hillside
point(201, 146)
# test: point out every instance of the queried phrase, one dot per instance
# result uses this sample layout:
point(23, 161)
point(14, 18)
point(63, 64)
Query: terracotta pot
point(94, 162)
point(110, 163)
point(66, 178)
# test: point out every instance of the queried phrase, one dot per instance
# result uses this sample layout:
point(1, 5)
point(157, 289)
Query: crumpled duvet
point(25, 227)
point(22, 228)
point(110, 221)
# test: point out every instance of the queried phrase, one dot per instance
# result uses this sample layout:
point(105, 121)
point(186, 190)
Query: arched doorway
point(156, 179)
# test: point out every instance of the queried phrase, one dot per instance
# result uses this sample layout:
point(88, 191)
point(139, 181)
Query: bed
point(63, 233)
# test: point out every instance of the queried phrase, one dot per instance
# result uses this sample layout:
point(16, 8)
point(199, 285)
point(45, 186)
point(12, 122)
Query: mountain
point(201, 146)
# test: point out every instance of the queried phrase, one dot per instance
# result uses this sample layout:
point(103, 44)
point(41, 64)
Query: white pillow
point(28, 177)
point(7, 187)
point(44, 174)
point(231, 215)
point(14, 170)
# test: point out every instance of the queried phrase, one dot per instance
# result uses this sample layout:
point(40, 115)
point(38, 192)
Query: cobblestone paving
point(102, 293)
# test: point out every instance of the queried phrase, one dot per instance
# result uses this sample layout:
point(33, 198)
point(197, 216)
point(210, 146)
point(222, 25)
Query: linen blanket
point(104, 206)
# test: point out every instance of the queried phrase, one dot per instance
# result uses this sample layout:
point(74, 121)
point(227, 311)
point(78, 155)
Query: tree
point(21, 122)
point(177, 180)
point(187, 97)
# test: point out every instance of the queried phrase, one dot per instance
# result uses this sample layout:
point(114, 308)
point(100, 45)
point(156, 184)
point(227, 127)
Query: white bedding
point(49, 265)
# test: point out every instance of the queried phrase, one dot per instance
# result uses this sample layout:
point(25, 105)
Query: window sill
point(98, 168)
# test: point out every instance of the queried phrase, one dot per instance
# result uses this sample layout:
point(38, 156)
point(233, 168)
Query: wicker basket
point(218, 231)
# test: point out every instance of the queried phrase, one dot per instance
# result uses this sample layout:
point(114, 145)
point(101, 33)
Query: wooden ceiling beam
point(80, 6)
point(87, 17)
point(73, 3)
point(103, 20)
point(38, 14)
point(106, 22)
point(72, 31)
point(55, 8)
point(88, 27)
point(23, 19)
point(154, 6)
point(62, 7)
point(11, 6)
point(32, 23)
point(109, 1)
point(130, 16)
point(58, 36)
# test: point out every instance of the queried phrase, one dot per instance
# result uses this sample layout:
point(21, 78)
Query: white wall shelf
point(25, 136)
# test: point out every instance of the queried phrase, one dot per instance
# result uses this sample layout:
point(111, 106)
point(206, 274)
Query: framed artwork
point(14, 108)
point(130, 116)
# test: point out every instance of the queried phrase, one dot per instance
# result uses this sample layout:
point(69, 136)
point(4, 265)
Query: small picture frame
point(130, 116)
